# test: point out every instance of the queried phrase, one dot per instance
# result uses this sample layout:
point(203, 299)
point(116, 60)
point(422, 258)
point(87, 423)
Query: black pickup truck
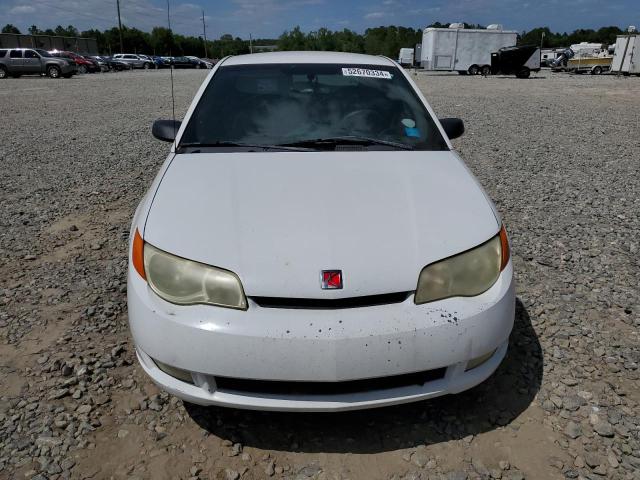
point(34, 61)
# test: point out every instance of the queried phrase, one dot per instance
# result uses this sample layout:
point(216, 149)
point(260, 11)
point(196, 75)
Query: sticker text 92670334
point(363, 72)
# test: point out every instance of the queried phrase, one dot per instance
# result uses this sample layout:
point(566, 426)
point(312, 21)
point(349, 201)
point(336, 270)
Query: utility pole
point(120, 26)
point(542, 40)
point(250, 44)
point(204, 35)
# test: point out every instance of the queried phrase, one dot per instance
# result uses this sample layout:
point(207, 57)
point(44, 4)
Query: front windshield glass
point(285, 104)
point(43, 53)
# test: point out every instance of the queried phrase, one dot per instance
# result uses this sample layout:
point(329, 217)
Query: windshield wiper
point(287, 148)
point(349, 139)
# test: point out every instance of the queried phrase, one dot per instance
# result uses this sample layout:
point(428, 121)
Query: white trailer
point(627, 55)
point(406, 57)
point(463, 50)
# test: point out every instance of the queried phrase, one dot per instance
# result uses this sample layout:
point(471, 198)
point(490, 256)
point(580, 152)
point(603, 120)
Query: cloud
point(268, 7)
point(374, 15)
point(21, 10)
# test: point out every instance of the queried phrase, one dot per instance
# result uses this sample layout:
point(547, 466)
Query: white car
point(312, 242)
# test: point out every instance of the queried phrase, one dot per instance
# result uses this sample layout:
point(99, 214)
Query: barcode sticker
point(363, 72)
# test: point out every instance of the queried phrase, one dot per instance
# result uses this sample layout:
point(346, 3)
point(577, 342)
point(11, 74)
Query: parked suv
point(136, 61)
point(31, 61)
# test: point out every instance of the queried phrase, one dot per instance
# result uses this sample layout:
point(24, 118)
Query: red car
point(84, 65)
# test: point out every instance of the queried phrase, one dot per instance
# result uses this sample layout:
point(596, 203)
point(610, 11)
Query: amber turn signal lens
point(137, 254)
point(506, 252)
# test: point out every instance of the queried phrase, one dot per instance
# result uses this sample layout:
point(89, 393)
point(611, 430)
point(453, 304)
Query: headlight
point(465, 275)
point(186, 282)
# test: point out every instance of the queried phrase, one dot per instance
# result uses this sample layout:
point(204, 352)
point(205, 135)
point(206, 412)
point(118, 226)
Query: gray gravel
point(558, 153)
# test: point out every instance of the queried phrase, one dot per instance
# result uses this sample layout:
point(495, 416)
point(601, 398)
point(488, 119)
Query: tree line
point(160, 41)
point(375, 41)
point(605, 35)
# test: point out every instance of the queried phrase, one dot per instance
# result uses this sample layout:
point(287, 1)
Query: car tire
point(3, 73)
point(146, 66)
point(524, 72)
point(82, 69)
point(198, 66)
point(474, 70)
point(485, 70)
point(597, 70)
point(53, 71)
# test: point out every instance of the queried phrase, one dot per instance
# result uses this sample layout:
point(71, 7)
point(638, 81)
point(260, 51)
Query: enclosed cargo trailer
point(463, 50)
point(518, 61)
point(627, 55)
point(405, 58)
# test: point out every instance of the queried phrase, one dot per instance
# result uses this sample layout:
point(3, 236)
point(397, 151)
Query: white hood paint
point(277, 219)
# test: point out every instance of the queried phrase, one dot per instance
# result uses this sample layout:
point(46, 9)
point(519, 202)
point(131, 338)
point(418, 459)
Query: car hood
point(278, 218)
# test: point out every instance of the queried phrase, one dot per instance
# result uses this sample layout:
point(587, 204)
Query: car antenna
point(173, 100)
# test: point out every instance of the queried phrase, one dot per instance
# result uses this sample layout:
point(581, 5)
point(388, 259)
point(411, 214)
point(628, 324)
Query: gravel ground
point(558, 153)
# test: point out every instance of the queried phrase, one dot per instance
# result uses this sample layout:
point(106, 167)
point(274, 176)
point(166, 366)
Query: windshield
point(43, 53)
point(288, 104)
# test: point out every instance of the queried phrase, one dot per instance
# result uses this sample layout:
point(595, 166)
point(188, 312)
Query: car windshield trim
point(352, 139)
point(200, 146)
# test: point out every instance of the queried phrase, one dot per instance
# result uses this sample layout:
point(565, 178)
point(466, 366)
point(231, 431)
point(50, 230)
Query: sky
point(269, 18)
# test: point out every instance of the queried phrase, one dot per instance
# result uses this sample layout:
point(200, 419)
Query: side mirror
point(453, 127)
point(165, 130)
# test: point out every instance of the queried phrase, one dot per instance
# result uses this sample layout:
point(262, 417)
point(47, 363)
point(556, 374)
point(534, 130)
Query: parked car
point(161, 62)
point(116, 65)
point(184, 62)
point(136, 61)
point(200, 63)
point(100, 62)
point(34, 61)
point(84, 65)
point(313, 242)
point(150, 59)
point(96, 65)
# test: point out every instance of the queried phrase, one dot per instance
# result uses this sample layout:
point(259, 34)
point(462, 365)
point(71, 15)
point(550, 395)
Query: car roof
point(308, 57)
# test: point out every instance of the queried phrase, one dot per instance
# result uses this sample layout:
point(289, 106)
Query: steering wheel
point(364, 113)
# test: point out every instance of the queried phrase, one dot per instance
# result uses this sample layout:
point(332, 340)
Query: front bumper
point(299, 345)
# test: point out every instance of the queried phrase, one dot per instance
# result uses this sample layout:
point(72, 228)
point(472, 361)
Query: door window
point(30, 54)
point(16, 54)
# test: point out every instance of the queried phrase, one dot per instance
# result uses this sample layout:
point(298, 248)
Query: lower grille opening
point(271, 387)
point(333, 303)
